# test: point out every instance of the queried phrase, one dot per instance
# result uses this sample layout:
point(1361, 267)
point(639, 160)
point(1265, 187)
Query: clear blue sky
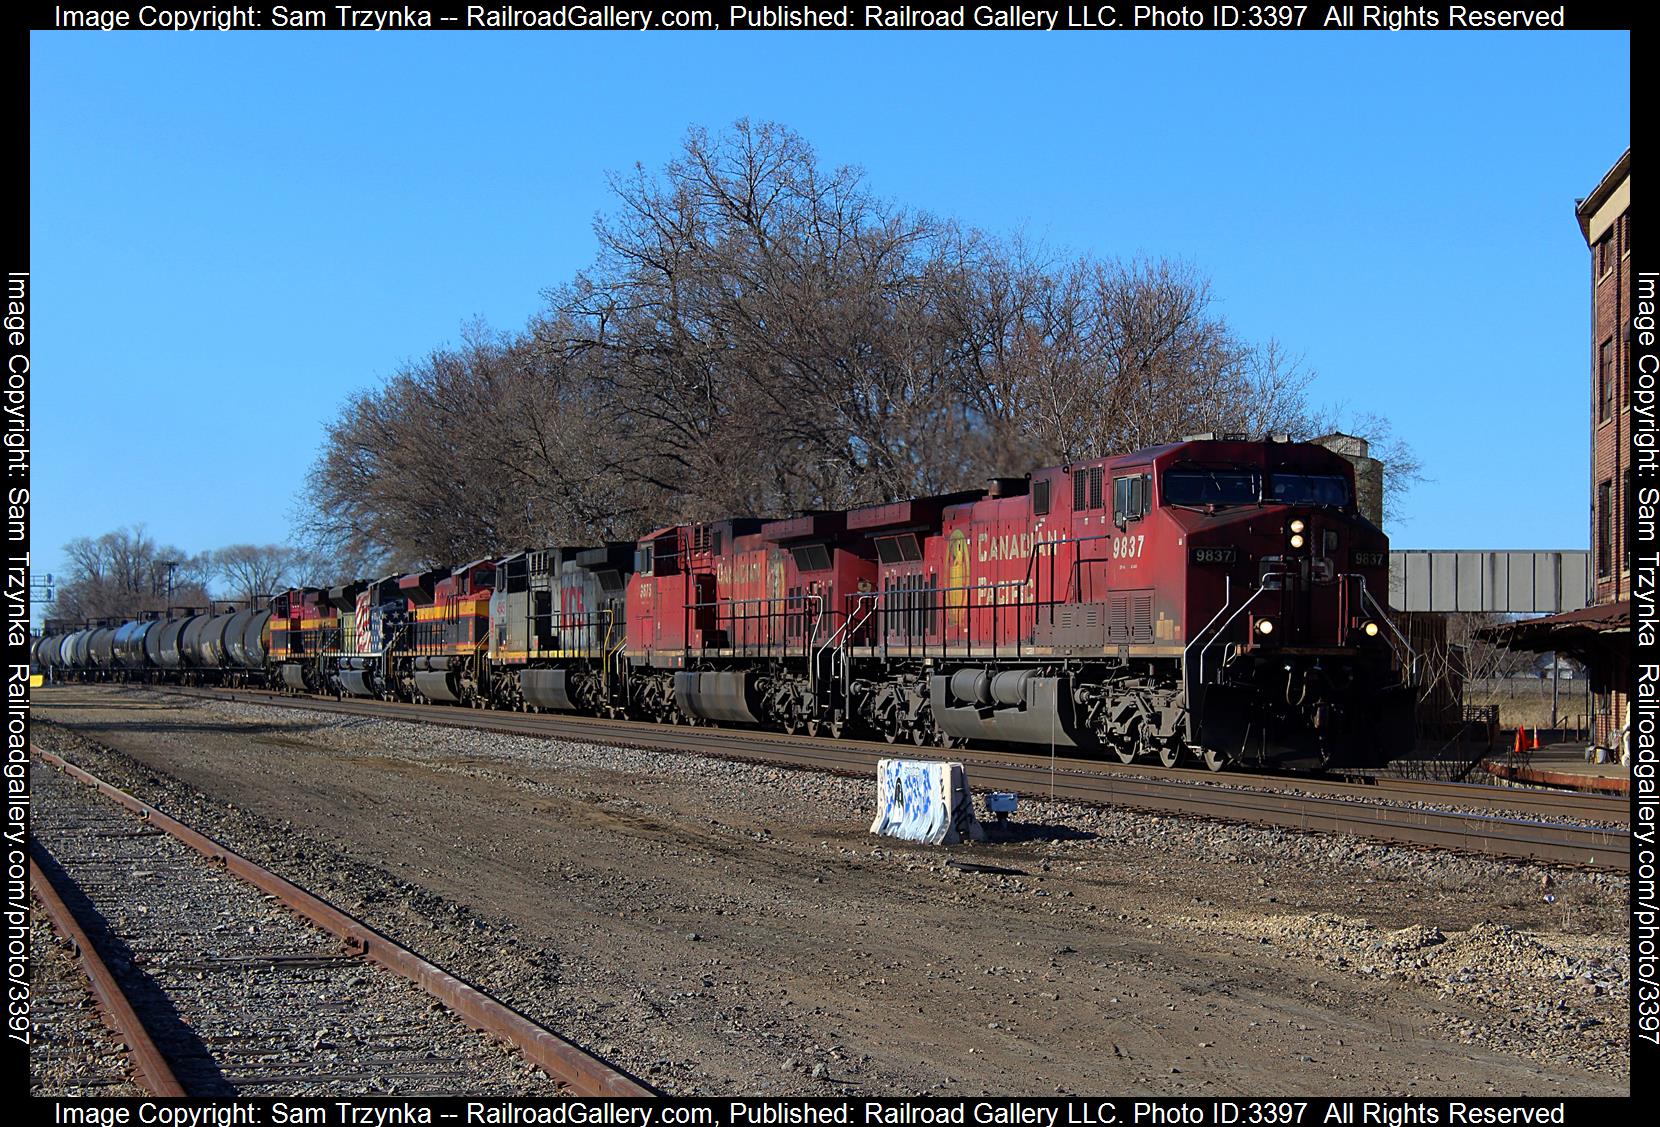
point(232, 232)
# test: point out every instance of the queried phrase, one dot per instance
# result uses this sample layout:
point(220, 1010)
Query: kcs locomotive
point(1214, 598)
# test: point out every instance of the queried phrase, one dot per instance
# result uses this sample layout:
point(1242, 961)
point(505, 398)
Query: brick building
point(1605, 221)
point(1599, 635)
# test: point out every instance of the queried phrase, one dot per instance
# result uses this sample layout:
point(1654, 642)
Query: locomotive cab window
point(665, 558)
point(1040, 497)
point(1130, 497)
point(1204, 485)
point(1309, 489)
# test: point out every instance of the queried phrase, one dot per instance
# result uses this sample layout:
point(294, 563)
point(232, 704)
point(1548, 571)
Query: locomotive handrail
point(729, 606)
point(1220, 630)
point(1227, 599)
point(606, 652)
point(860, 599)
point(1412, 654)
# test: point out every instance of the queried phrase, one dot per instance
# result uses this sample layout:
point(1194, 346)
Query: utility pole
point(170, 565)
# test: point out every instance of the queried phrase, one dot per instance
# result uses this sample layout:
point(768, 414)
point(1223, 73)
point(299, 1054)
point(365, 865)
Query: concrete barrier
point(927, 801)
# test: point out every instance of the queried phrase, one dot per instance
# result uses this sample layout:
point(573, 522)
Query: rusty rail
point(154, 1074)
point(586, 1074)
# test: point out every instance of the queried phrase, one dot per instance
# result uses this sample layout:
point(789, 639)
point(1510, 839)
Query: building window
point(1605, 380)
point(1605, 527)
point(1605, 257)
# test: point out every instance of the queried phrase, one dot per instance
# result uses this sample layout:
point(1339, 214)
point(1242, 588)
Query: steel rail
point(154, 1074)
point(1491, 797)
point(1601, 847)
point(584, 1073)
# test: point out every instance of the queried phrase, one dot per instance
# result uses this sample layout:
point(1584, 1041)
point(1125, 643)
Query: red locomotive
point(1208, 598)
point(1214, 598)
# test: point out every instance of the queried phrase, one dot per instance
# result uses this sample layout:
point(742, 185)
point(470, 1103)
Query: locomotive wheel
point(828, 727)
point(1137, 745)
point(1214, 760)
point(1170, 753)
point(922, 730)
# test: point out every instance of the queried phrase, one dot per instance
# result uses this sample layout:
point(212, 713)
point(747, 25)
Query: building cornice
point(1606, 187)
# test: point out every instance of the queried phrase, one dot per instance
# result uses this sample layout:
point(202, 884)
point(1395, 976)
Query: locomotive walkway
point(1564, 828)
point(160, 931)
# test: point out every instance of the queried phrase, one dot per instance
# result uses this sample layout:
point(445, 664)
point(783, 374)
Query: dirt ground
point(723, 928)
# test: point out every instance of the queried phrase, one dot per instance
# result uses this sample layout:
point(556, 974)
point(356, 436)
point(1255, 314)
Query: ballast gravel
point(241, 995)
point(71, 1051)
point(718, 927)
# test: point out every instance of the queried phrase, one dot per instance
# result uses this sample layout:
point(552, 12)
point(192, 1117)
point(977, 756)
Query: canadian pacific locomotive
point(1214, 598)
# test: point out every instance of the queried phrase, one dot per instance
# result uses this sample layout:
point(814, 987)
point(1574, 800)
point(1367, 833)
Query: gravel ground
point(722, 927)
point(241, 995)
point(1490, 805)
point(71, 1052)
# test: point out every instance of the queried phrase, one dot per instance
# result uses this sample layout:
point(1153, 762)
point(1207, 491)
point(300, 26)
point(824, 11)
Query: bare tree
point(250, 573)
point(126, 574)
point(760, 333)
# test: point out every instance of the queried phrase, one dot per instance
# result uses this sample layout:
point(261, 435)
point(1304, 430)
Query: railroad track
point(1406, 812)
point(1590, 808)
point(217, 992)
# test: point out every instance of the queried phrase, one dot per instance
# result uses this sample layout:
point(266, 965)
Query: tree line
point(761, 334)
point(127, 574)
point(758, 334)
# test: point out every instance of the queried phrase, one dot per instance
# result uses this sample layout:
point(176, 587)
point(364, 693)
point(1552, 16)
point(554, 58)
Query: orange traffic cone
point(1535, 745)
point(1517, 750)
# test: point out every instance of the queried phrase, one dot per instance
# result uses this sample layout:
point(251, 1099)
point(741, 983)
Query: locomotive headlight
point(1297, 526)
point(1265, 626)
point(1370, 629)
point(1297, 538)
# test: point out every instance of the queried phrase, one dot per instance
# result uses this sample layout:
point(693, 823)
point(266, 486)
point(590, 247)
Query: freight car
point(1215, 598)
